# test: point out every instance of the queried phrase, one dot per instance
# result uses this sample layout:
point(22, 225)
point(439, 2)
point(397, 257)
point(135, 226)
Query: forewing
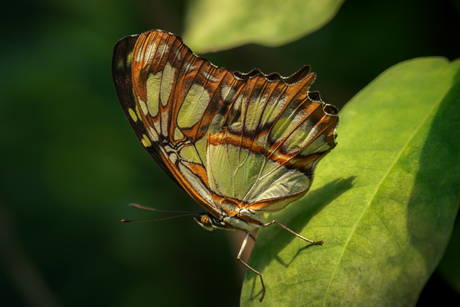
point(122, 79)
point(172, 98)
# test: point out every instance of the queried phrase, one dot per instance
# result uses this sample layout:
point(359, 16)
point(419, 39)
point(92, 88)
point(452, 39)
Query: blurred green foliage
point(238, 22)
point(70, 164)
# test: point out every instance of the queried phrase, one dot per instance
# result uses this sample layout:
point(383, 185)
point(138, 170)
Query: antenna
point(186, 213)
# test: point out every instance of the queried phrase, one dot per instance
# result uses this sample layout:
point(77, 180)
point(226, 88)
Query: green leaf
point(384, 200)
point(213, 25)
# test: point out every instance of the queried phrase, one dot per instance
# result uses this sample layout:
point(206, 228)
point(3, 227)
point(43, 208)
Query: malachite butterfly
point(241, 144)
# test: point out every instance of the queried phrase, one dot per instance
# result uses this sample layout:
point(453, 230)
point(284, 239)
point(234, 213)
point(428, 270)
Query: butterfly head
point(206, 221)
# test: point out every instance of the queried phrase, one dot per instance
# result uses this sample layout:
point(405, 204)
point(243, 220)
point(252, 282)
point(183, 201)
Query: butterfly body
point(241, 145)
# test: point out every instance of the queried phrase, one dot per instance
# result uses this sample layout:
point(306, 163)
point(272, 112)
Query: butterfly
point(240, 144)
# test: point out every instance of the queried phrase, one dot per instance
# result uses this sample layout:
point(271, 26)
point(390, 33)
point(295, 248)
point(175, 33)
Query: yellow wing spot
point(132, 114)
point(153, 88)
point(166, 83)
point(320, 144)
point(143, 105)
point(189, 154)
point(121, 63)
point(146, 141)
point(138, 114)
point(255, 109)
point(193, 106)
point(271, 112)
point(285, 125)
point(201, 147)
point(178, 135)
point(216, 124)
point(129, 58)
point(301, 136)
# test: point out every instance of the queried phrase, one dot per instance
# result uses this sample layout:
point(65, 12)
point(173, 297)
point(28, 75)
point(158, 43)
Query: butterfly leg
point(247, 265)
point(293, 232)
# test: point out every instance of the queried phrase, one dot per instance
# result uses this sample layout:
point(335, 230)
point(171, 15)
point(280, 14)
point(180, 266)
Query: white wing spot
point(156, 124)
point(177, 55)
point(209, 76)
point(173, 158)
point(188, 67)
point(143, 105)
point(139, 55)
point(153, 134)
point(163, 49)
point(227, 93)
point(164, 123)
point(150, 52)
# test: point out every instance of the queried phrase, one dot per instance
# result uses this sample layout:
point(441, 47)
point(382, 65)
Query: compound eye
point(205, 222)
point(204, 219)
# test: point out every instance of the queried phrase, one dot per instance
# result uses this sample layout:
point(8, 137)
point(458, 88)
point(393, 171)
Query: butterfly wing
point(170, 96)
point(265, 156)
point(121, 72)
point(231, 140)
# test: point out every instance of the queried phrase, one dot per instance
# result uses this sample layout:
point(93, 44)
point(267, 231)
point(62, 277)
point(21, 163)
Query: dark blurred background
point(70, 163)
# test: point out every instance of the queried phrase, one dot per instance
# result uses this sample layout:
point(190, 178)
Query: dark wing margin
point(122, 79)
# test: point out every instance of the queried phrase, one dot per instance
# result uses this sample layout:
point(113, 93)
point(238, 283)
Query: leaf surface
point(213, 25)
point(384, 200)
